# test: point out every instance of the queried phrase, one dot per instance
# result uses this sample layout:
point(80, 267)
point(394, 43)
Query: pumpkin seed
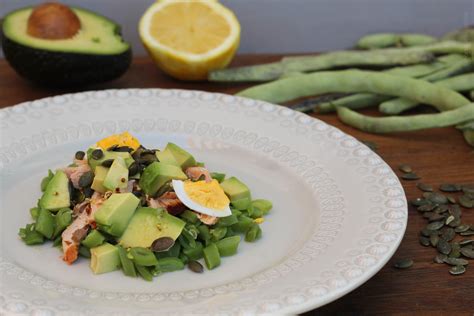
point(427, 232)
point(467, 252)
point(410, 176)
point(467, 233)
point(97, 154)
point(448, 234)
point(424, 187)
point(419, 202)
point(455, 223)
point(405, 168)
point(434, 240)
point(440, 258)
point(79, 155)
point(162, 244)
point(441, 208)
point(133, 169)
point(86, 179)
point(450, 187)
point(456, 261)
point(87, 192)
point(450, 219)
point(455, 210)
point(466, 242)
point(435, 217)
point(466, 202)
point(455, 250)
point(426, 207)
point(443, 247)
point(435, 225)
point(424, 241)
point(462, 228)
point(107, 163)
point(451, 199)
point(457, 270)
point(428, 215)
point(468, 188)
point(403, 263)
point(436, 198)
point(195, 266)
point(123, 149)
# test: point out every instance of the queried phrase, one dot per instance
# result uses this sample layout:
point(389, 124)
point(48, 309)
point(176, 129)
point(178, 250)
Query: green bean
point(45, 223)
point(187, 239)
point(34, 212)
point(194, 253)
point(170, 264)
point(236, 212)
point(128, 267)
point(462, 35)
point(355, 81)
point(204, 234)
point(469, 137)
point(230, 232)
point(189, 217)
point(416, 39)
point(355, 102)
point(264, 205)
point(63, 219)
point(378, 40)
point(405, 123)
point(58, 241)
point(243, 224)
point(218, 176)
point(254, 232)
point(30, 236)
point(45, 181)
point(228, 246)
point(144, 272)
point(211, 256)
point(227, 221)
point(458, 83)
point(172, 252)
point(143, 256)
point(472, 95)
point(217, 233)
point(469, 125)
point(93, 239)
point(459, 67)
point(84, 252)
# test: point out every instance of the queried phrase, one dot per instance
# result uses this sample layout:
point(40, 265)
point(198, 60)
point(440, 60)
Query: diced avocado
point(165, 156)
point(157, 174)
point(241, 204)
point(113, 216)
point(96, 53)
point(149, 224)
point(93, 163)
point(104, 258)
point(235, 190)
point(56, 195)
point(93, 239)
point(99, 177)
point(117, 175)
point(182, 157)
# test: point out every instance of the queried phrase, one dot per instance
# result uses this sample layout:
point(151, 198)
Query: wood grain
point(438, 155)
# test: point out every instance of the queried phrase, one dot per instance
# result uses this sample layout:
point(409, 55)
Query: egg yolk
point(208, 194)
point(124, 139)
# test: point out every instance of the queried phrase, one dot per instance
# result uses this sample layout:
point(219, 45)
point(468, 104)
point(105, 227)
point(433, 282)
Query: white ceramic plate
point(339, 211)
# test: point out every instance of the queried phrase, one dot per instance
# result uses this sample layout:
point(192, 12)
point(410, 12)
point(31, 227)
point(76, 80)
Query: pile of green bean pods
point(395, 72)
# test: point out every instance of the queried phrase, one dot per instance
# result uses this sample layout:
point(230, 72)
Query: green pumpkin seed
point(86, 179)
point(107, 163)
point(466, 242)
point(195, 266)
point(97, 154)
point(428, 215)
point(435, 225)
point(462, 228)
point(133, 169)
point(405, 168)
point(440, 258)
point(451, 199)
point(436, 217)
point(424, 241)
point(466, 202)
point(448, 234)
point(403, 263)
point(441, 208)
point(456, 261)
point(468, 188)
point(455, 223)
point(424, 187)
point(162, 244)
point(419, 202)
point(467, 252)
point(450, 187)
point(436, 198)
point(410, 176)
point(450, 219)
point(434, 240)
point(467, 233)
point(455, 250)
point(457, 270)
point(443, 247)
point(427, 232)
point(80, 155)
point(426, 207)
point(455, 210)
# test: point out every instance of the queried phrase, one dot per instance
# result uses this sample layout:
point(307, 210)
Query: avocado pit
point(53, 21)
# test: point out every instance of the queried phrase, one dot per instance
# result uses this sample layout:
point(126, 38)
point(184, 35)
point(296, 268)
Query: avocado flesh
point(236, 190)
point(104, 258)
point(93, 163)
point(99, 176)
point(157, 174)
point(56, 195)
point(95, 54)
point(117, 176)
point(182, 157)
point(113, 216)
point(149, 224)
point(166, 157)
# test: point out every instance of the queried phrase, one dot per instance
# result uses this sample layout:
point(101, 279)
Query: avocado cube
point(99, 177)
point(56, 195)
point(93, 163)
point(236, 190)
point(104, 258)
point(117, 176)
point(182, 157)
point(149, 224)
point(166, 157)
point(157, 174)
point(113, 216)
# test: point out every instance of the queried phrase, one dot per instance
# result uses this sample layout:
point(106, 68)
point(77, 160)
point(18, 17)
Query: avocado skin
point(60, 69)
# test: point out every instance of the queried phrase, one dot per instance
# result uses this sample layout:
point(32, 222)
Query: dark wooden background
point(438, 155)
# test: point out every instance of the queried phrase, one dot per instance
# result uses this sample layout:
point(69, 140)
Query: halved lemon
point(189, 38)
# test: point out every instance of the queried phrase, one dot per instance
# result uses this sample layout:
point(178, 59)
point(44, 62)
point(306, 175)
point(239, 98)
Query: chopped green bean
point(355, 81)
point(58, 241)
point(184, 259)
point(404, 123)
point(189, 217)
point(63, 219)
point(228, 246)
point(253, 233)
point(84, 252)
point(128, 267)
point(211, 256)
point(45, 181)
point(30, 236)
point(45, 223)
point(236, 212)
point(243, 224)
point(204, 234)
point(227, 221)
point(217, 233)
point(170, 264)
point(143, 256)
point(172, 252)
point(218, 176)
point(93, 239)
point(194, 253)
point(34, 212)
point(241, 204)
point(144, 272)
point(187, 239)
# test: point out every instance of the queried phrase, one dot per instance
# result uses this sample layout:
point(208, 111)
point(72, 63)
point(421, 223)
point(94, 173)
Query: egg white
point(178, 187)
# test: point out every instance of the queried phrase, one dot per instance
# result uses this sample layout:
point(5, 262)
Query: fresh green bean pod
point(472, 95)
point(469, 137)
point(170, 264)
point(459, 67)
point(408, 40)
point(143, 256)
point(459, 83)
point(194, 253)
point(127, 265)
point(355, 81)
point(228, 246)
point(144, 272)
point(462, 35)
point(378, 40)
point(355, 102)
point(391, 124)
point(212, 257)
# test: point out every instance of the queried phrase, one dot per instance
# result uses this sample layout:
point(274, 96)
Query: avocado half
point(96, 53)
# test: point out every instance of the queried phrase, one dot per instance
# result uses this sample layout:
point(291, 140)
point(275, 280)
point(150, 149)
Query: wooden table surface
point(438, 155)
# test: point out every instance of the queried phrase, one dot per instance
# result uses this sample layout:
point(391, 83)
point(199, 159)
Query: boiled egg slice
point(203, 197)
